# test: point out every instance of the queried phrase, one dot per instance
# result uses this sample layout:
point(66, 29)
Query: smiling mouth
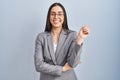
point(56, 22)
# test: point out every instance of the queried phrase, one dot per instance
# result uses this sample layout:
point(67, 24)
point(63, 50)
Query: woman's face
point(56, 17)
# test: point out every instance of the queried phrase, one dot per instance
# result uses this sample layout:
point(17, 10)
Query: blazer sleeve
point(74, 52)
point(40, 64)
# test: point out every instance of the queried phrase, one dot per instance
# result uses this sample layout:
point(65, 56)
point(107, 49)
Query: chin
point(57, 26)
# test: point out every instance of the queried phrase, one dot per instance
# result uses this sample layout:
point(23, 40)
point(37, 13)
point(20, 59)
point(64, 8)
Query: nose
point(56, 16)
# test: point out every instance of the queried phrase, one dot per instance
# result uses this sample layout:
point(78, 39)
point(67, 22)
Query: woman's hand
point(83, 33)
point(66, 67)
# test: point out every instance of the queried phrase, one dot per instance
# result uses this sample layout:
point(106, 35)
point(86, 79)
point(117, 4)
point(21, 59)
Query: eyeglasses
point(55, 14)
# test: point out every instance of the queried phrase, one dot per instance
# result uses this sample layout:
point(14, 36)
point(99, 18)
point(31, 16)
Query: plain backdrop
point(22, 20)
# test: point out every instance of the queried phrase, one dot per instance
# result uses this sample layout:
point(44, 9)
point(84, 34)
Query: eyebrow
point(58, 12)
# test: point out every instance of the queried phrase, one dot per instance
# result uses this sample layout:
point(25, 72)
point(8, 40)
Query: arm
point(74, 52)
point(40, 64)
point(76, 46)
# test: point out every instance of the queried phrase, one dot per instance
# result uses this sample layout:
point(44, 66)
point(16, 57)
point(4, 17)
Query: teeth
point(56, 21)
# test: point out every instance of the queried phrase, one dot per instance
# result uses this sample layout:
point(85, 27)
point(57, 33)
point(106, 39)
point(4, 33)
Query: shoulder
point(41, 35)
point(71, 32)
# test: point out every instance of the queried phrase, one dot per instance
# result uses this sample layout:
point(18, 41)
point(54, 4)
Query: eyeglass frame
point(59, 14)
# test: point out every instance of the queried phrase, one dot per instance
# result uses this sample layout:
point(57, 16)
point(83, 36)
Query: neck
point(56, 31)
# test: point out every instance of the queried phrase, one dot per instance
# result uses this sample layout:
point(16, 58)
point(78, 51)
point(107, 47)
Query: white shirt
point(55, 46)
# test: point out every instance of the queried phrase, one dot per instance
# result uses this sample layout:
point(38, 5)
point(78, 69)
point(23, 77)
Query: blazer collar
point(51, 47)
point(61, 41)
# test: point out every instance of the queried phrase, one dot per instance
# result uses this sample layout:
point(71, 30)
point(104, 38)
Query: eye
point(60, 14)
point(52, 14)
point(55, 14)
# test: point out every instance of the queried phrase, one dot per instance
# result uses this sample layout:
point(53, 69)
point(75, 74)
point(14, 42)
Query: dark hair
point(48, 24)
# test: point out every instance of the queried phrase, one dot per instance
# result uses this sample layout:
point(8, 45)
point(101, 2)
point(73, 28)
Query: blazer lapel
point(62, 39)
point(50, 47)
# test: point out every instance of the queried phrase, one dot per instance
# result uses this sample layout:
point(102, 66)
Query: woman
point(58, 49)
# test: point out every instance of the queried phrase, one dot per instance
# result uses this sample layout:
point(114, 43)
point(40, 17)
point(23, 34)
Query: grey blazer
point(48, 63)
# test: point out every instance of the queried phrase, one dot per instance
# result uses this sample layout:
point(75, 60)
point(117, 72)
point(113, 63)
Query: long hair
point(49, 25)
